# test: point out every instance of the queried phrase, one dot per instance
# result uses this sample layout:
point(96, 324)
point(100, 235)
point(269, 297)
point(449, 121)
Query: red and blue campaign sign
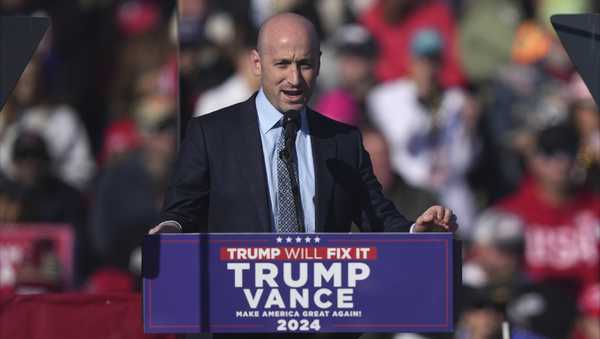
point(327, 282)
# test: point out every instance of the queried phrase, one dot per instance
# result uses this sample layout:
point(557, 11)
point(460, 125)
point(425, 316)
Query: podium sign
point(324, 282)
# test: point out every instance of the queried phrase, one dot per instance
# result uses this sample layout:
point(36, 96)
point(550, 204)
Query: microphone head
point(292, 119)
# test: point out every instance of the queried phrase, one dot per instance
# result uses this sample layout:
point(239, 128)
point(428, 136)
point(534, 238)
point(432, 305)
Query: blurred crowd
point(473, 104)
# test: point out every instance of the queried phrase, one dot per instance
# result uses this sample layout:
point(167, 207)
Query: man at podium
point(272, 164)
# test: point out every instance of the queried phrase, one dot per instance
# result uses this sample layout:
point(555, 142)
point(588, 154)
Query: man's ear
point(319, 63)
point(255, 61)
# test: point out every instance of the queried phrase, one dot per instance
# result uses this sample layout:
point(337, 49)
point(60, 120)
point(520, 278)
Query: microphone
point(291, 124)
point(291, 117)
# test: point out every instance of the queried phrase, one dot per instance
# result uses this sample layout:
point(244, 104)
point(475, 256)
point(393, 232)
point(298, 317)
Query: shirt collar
point(269, 116)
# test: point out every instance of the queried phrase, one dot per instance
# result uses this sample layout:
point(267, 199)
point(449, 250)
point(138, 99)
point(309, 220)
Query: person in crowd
point(481, 52)
point(413, 200)
point(493, 262)
point(560, 232)
point(122, 134)
point(483, 314)
point(238, 87)
point(394, 23)
point(145, 64)
point(66, 137)
point(120, 138)
point(561, 221)
point(429, 129)
point(46, 198)
point(129, 193)
point(43, 197)
point(493, 255)
point(206, 36)
point(527, 95)
point(356, 49)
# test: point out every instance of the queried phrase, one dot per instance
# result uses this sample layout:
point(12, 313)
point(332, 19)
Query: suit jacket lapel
point(252, 158)
point(323, 148)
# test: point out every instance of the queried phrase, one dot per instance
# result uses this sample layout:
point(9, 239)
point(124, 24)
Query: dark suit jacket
point(220, 183)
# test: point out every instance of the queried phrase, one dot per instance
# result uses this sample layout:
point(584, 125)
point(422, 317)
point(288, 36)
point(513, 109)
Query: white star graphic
point(279, 239)
point(307, 239)
point(317, 239)
point(288, 239)
point(298, 239)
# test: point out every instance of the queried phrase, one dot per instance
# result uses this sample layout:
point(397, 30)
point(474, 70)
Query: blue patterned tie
point(287, 220)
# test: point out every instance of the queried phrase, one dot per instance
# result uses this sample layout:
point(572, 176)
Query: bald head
point(285, 26)
point(287, 60)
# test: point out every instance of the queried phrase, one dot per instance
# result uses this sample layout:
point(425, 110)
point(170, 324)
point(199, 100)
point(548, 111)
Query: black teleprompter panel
point(580, 36)
point(19, 37)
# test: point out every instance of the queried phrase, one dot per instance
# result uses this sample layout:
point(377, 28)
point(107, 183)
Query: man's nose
point(294, 76)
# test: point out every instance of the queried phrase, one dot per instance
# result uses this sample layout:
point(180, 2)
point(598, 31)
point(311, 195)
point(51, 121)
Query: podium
point(280, 282)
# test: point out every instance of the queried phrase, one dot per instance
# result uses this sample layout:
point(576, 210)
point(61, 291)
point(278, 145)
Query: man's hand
point(436, 219)
point(164, 228)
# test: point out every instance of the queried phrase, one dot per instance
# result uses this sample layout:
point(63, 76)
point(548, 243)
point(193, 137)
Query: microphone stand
point(291, 124)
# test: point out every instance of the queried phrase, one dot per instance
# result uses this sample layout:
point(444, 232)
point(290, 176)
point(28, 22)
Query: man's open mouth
point(293, 93)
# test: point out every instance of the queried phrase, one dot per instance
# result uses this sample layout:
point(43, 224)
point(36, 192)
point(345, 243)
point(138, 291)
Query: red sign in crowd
point(36, 257)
